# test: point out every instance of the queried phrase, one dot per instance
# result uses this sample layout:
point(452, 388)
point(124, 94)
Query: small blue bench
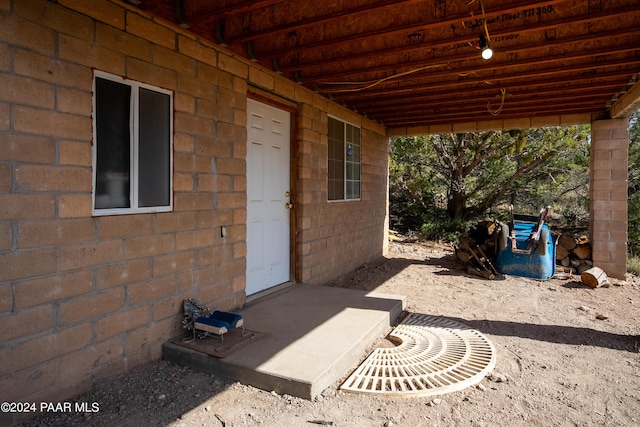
point(219, 323)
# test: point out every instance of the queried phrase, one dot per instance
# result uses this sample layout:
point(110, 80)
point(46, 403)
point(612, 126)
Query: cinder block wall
point(84, 297)
point(336, 237)
point(609, 195)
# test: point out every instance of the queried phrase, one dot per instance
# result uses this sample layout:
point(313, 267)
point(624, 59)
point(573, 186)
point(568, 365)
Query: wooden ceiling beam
point(335, 44)
point(577, 59)
point(494, 97)
point(481, 109)
point(514, 81)
point(628, 103)
point(519, 50)
point(426, 120)
point(318, 20)
point(469, 104)
point(401, 30)
point(366, 73)
point(466, 97)
point(216, 13)
point(514, 87)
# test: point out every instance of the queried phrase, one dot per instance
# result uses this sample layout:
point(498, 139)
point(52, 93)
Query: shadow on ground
point(372, 276)
point(568, 335)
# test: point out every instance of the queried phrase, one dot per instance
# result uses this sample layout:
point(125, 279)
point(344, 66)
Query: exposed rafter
point(416, 62)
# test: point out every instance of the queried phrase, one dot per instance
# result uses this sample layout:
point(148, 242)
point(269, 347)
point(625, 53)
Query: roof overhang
point(416, 64)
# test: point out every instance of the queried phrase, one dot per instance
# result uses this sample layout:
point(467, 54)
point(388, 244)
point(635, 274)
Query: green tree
point(412, 189)
point(472, 172)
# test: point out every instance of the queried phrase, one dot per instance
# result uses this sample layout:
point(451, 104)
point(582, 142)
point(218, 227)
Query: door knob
point(289, 205)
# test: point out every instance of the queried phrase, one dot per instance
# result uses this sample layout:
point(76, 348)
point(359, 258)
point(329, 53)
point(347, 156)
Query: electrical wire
point(503, 95)
point(364, 85)
point(484, 21)
point(484, 18)
point(503, 92)
point(371, 83)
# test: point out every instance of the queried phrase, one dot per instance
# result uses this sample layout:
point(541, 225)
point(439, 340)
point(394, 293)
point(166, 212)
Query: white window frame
point(134, 114)
point(344, 165)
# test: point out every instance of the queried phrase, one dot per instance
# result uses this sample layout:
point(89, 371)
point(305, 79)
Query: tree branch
point(505, 187)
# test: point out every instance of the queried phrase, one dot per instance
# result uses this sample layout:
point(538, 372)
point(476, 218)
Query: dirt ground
point(568, 355)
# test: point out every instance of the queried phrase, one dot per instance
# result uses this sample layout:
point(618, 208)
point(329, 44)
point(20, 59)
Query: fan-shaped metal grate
point(435, 356)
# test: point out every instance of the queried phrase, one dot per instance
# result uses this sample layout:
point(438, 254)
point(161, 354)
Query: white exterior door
point(268, 196)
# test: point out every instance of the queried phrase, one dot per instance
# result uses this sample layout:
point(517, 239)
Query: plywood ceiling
point(416, 62)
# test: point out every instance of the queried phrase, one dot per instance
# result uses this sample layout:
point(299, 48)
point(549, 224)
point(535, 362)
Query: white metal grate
point(434, 356)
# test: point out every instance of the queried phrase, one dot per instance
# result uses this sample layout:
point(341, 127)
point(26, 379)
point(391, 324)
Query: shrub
point(633, 265)
point(634, 225)
point(443, 228)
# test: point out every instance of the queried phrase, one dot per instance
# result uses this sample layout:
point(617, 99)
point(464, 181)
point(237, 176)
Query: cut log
point(566, 262)
point(482, 231)
point(466, 242)
point(483, 247)
point(594, 277)
point(491, 266)
point(583, 251)
point(561, 252)
point(482, 273)
point(567, 241)
point(478, 260)
point(491, 227)
point(582, 268)
point(463, 256)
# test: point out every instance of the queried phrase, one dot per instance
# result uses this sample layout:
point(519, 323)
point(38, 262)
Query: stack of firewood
point(574, 254)
point(478, 249)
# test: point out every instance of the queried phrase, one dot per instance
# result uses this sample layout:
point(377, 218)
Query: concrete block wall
point(609, 195)
point(336, 237)
point(84, 297)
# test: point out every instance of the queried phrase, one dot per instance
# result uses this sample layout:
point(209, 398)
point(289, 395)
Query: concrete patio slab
point(311, 336)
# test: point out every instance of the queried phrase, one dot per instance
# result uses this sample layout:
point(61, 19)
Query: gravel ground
point(567, 355)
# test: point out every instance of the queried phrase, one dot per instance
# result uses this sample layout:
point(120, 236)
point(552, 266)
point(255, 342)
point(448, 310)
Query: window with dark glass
point(343, 161)
point(132, 147)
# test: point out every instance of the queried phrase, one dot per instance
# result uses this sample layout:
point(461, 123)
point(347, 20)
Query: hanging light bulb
point(485, 49)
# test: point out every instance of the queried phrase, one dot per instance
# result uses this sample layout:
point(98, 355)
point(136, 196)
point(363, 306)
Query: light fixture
point(276, 66)
point(485, 49)
point(250, 54)
point(220, 32)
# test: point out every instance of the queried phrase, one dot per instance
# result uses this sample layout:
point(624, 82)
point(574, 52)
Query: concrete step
point(306, 338)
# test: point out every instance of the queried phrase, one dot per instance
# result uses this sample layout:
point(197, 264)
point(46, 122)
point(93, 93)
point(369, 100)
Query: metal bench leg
point(221, 342)
point(194, 336)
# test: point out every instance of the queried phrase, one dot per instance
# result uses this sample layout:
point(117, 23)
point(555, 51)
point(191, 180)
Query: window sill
point(112, 212)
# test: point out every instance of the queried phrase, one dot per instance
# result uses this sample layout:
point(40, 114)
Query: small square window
point(343, 161)
point(133, 147)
